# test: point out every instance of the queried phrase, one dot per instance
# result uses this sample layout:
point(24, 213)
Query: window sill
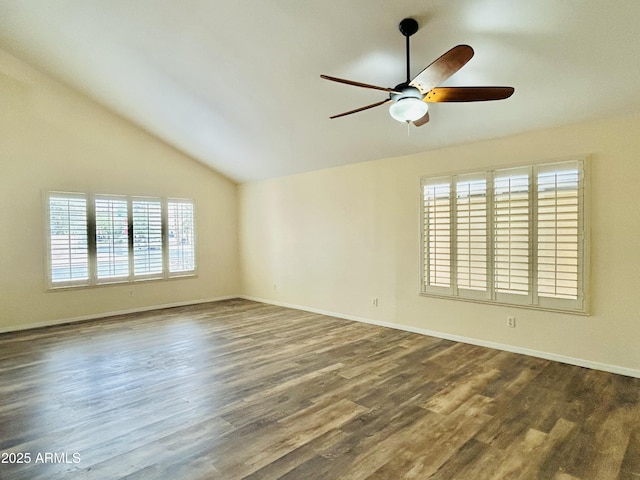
point(120, 283)
point(584, 313)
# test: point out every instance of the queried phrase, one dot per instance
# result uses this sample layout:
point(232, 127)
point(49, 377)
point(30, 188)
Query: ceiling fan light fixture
point(408, 109)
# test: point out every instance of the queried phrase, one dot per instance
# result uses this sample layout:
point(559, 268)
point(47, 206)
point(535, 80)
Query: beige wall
point(333, 239)
point(54, 139)
point(329, 240)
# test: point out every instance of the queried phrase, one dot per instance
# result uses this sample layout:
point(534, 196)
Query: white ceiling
point(236, 84)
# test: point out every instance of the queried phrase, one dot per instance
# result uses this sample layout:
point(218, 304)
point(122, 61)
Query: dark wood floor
point(238, 389)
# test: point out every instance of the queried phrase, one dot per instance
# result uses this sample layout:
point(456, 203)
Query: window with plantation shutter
point(147, 237)
point(471, 233)
point(181, 237)
point(560, 225)
point(68, 239)
point(437, 233)
point(512, 236)
point(112, 237)
point(512, 212)
point(106, 239)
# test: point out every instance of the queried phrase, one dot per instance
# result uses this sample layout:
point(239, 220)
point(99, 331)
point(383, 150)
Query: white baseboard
point(49, 323)
point(629, 372)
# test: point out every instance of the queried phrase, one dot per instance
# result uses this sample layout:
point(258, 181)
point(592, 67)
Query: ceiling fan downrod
point(408, 27)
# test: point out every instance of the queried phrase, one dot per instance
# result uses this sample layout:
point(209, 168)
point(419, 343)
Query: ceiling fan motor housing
point(405, 92)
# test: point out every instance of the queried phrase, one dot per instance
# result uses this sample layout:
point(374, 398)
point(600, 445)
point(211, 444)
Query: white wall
point(52, 138)
point(333, 239)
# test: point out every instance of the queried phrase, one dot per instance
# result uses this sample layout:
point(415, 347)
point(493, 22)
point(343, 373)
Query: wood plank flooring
point(242, 390)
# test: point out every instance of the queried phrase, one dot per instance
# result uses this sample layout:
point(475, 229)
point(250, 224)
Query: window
point(112, 238)
point(471, 228)
point(68, 239)
point(559, 234)
point(512, 214)
point(147, 237)
point(437, 217)
point(98, 239)
point(181, 240)
point(513, 236)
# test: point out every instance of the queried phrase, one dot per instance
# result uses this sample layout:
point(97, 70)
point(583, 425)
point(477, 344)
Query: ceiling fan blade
point(442, 68)
point(468, 94)
point(386, 100)
point(422, 121)
point(358, 84)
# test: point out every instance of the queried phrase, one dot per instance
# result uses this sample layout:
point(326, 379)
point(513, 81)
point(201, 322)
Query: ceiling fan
point(409, 100)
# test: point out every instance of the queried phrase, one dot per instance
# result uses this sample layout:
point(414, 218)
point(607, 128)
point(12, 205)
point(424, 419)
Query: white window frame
point(531, 299)
point(91, 243)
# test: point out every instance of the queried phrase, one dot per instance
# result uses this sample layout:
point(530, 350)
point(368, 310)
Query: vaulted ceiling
point(236, 84)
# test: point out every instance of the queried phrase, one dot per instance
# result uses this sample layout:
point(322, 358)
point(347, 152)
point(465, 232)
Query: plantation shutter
point(511, 207)
point(68, 239)
point(437, 223)
point(471, 234)
point(147, 237)
point(112, 239)
point(512, 236)
point(560, 233)
point(180, 220)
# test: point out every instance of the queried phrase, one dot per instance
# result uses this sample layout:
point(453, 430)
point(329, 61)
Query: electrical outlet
point(132, 293)
point(374, 301)
point(511, 322)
